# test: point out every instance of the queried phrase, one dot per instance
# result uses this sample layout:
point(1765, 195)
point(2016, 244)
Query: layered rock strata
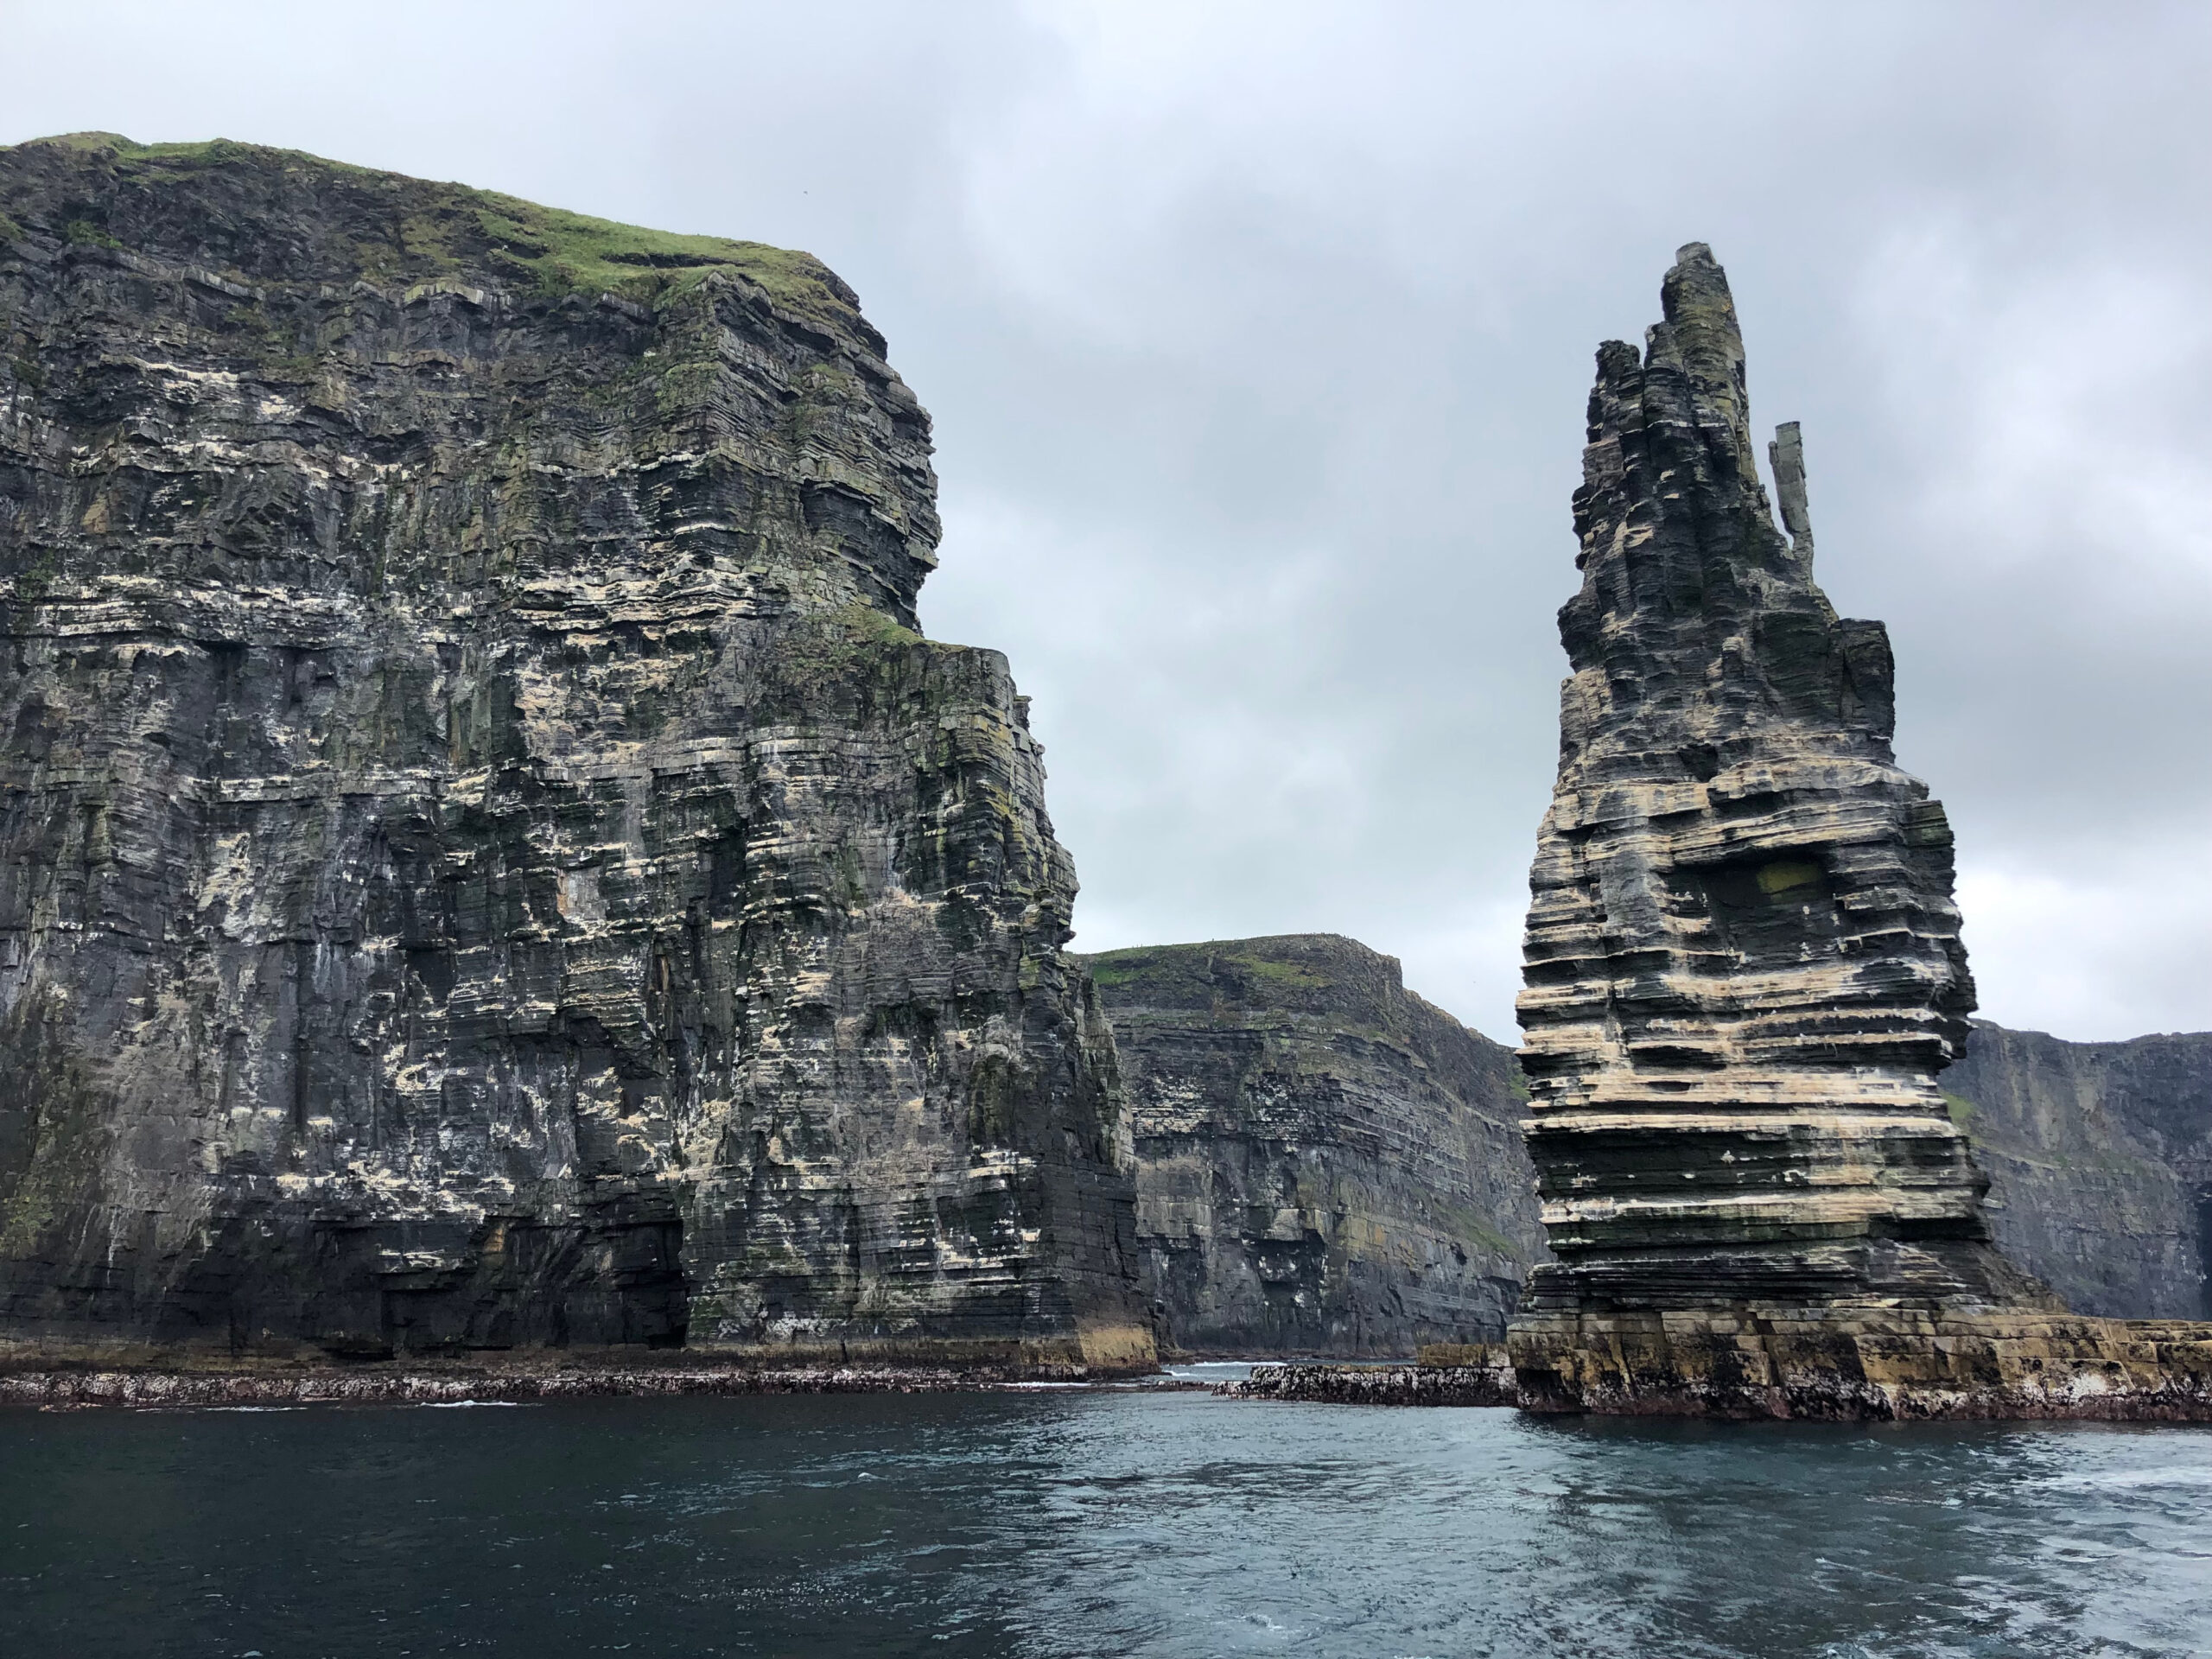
point(485, 857)
point(1743, 974)
point(1743, 965)
point(1325, 1163)
point(2100, 1161)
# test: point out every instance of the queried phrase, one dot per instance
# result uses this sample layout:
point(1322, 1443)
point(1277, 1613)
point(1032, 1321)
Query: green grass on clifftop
point(452, 230)
point(1172, 963)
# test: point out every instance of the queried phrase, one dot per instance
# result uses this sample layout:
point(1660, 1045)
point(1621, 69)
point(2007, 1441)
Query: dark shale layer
point(485, 859)
point(1325, 1163)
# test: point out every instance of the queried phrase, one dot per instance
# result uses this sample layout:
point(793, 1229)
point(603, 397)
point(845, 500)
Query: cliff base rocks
point(1818, 1365)
point(1488, 1382)
point(1858, 1364)
point(610, 1373)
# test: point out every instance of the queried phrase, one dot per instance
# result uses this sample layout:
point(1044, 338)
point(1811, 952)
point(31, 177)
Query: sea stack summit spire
point(1743, 965)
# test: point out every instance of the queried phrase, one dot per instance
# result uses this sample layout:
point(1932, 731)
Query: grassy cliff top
point(395, 228)
point(1308, 974)
point(1286, 964)
point(1302, 978)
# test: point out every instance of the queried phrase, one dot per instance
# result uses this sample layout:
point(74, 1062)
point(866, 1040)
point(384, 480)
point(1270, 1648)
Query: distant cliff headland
point(2099, 1162)
point(490, 869)
point(1325, 1163)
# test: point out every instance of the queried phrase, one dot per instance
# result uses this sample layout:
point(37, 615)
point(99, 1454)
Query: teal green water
point(1089, 1523)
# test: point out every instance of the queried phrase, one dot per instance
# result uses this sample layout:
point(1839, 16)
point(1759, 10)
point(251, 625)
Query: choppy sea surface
point(1052, 1523)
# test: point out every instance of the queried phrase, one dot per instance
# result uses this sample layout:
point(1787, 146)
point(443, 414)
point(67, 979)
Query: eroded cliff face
point(1743, 965)
point(485, 856)
point(1325, 1164)
point(2100, 1160)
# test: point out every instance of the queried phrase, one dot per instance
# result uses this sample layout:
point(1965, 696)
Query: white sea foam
point(2129, 1479)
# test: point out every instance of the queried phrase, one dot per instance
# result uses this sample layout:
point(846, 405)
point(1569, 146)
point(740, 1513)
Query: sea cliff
point(1325, 1162)
point(2099, 1163)
point(486, 858)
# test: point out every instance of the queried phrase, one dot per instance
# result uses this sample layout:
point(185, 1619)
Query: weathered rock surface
point(1317, 1149)
point(1325, 1163)
point(485, 857)
point(1837, 1364)
point(1743, 965)
point(2100, 1160)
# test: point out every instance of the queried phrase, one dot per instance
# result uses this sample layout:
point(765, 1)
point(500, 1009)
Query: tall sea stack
point(487, 859)
point(1743, 973)
point(1743, 962)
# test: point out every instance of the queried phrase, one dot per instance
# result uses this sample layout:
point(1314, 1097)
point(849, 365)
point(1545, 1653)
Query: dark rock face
point(2099, 1160)
point(1325, 1164)
point(485, 858)
point(1743, 965)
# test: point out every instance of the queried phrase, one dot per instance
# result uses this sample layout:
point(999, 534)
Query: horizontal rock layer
point(1325, 1163)
point(485, 857)
point(1300, 1066)
point(1846, 1365)
point(1829, 1364)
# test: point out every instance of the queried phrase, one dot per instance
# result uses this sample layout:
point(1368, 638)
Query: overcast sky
point(1257, 338)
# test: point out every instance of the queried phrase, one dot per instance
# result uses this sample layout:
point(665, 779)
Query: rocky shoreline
point(1814, 1365)
point(1376, 1385)
point(83, 1388)
point(1811, 1368)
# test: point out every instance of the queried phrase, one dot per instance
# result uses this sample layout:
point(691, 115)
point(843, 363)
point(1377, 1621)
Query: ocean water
point(1054, 1523)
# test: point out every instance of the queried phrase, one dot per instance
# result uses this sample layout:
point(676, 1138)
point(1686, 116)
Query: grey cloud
point(1257, 340)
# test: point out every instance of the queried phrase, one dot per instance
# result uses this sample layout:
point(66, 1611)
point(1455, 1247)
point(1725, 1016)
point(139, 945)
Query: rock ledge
point(1820, 1364)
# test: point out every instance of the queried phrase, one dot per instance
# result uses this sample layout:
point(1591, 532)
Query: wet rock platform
point(1848, 1365)
point(418, 1380)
